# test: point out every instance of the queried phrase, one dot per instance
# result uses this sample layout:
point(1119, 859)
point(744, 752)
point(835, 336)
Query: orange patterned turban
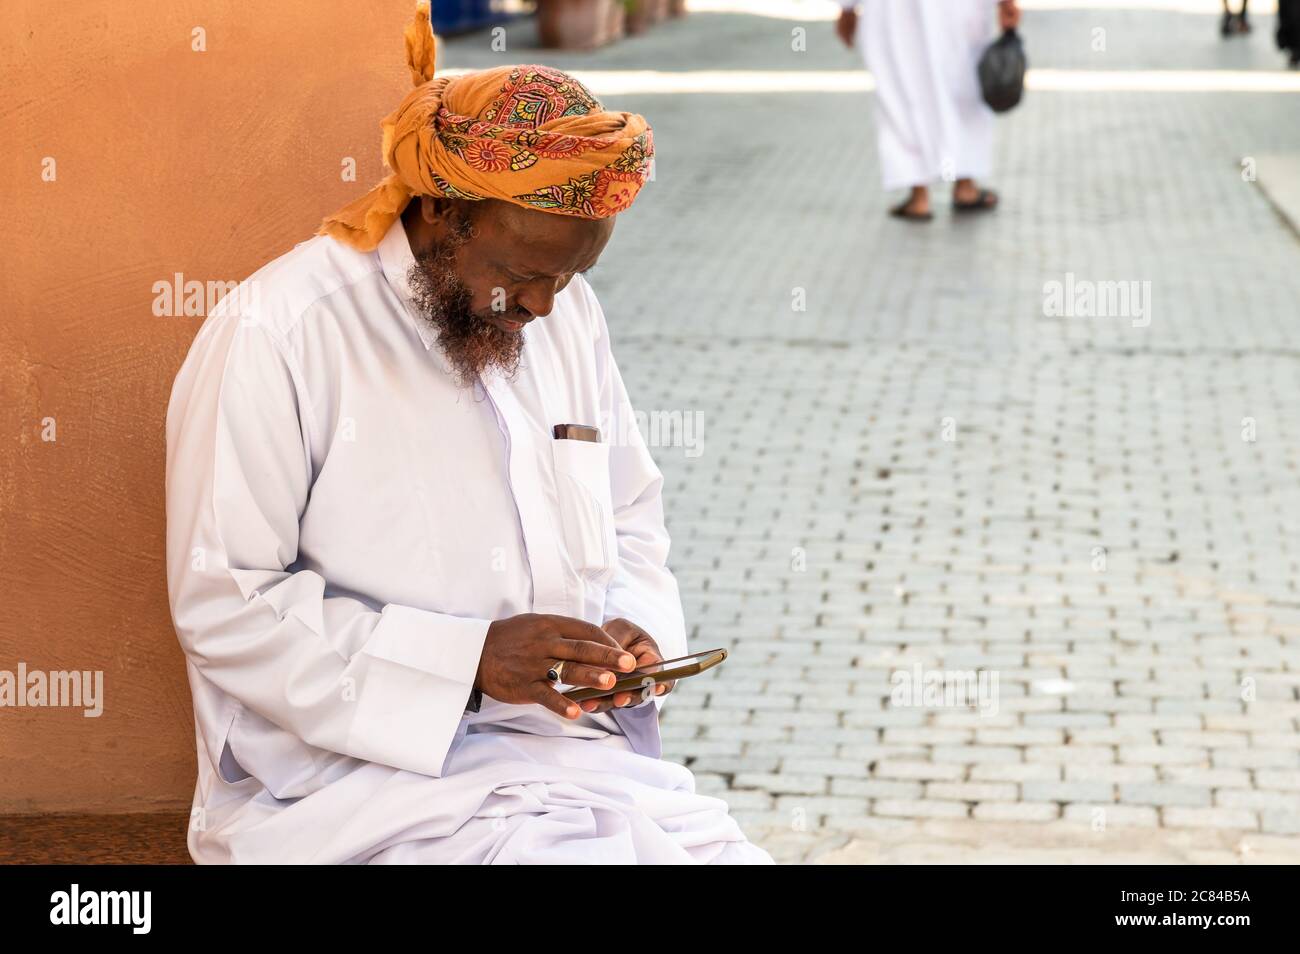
point(529, 135)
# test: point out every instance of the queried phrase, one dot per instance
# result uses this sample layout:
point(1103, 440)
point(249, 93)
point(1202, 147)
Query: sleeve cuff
point(435, 643)
point(413, 693)
point(640, 726)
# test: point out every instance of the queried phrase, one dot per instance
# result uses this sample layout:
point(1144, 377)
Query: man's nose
point(538, 298)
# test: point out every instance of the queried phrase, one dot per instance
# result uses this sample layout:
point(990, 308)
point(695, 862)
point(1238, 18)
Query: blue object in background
point(457, 16)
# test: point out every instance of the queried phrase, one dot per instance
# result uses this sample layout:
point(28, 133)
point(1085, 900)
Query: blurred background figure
point(1234, 22)
point(931, 119)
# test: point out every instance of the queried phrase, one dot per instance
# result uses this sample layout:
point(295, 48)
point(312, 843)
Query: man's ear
point(435, 210)
point(446, 217)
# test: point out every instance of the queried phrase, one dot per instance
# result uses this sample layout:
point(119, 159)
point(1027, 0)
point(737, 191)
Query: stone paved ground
point(1096, 532)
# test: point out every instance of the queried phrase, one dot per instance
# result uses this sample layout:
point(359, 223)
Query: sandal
point(904, 211)
point(986, 201)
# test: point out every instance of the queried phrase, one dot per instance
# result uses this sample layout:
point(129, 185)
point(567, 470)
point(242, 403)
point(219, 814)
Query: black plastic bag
point(1288, 27)
point(1002, 72)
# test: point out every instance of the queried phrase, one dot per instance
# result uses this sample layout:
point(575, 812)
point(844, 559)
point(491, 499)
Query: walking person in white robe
point(931, 120)
point(404, 486)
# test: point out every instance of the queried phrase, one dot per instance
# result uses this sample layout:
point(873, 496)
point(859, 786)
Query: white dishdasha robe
point(931, 119)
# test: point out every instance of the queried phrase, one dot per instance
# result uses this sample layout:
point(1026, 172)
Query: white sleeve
point(387, 685)
point(643, 589)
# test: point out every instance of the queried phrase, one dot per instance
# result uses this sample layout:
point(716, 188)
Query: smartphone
point(638, 679)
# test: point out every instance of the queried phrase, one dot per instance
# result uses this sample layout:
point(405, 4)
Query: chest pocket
point(586, 508)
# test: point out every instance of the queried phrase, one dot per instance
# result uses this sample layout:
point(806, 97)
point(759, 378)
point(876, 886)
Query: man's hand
point(846, 26)
point(635, 640)
point(1008, 14)
point(518, 651)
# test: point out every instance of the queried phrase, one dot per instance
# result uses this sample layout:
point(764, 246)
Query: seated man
point(380, 546)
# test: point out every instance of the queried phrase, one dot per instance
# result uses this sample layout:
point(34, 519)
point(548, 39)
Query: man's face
point(483, 270)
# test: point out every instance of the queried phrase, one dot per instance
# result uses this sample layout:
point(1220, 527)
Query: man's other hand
point(642, 646)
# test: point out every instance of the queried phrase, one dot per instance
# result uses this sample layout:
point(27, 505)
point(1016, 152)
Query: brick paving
point(917, 467)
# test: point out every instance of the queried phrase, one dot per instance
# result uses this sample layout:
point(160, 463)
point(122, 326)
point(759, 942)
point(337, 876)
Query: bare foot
point(917, 205)
point(969, 197)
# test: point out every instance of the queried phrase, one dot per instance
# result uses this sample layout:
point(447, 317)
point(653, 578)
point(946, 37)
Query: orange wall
point(167, 160)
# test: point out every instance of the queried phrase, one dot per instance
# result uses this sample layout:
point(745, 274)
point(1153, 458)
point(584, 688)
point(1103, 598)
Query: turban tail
point(528, 135)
